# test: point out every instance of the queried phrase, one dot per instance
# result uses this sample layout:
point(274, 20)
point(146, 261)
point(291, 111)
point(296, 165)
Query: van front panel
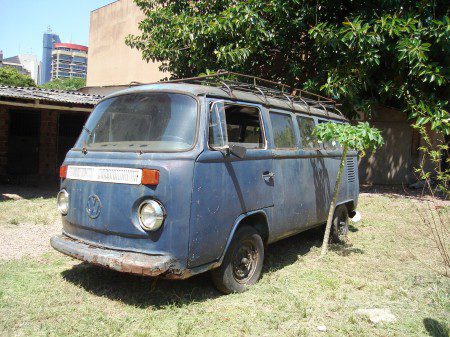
point(117, 224)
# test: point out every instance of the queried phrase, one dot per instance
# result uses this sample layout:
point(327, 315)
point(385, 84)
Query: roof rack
point(230, 81)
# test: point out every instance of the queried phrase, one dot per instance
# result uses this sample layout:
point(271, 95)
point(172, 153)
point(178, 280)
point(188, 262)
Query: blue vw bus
point(177, 178)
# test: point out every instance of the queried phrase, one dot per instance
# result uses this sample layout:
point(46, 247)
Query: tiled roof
point(49, 95)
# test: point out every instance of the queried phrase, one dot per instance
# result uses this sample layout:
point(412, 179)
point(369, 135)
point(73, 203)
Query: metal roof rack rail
point(230, 81)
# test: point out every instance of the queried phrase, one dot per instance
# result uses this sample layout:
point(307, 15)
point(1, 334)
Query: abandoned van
point(178, 178)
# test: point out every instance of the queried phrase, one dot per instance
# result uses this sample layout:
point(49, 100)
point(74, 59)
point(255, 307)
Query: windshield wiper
point(84, 147)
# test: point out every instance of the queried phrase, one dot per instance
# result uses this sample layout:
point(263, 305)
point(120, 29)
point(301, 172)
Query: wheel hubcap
point(244, 262)
point(342, 228)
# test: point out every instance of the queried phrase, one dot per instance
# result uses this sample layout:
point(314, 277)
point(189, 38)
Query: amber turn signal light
point(150, 177)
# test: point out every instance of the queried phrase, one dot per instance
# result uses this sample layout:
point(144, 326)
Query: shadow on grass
point(17, 192)
point(287, 251)
point(435, 328)
point(140, 291)
point(345, 249)
point(145, 291)
point(352, 228)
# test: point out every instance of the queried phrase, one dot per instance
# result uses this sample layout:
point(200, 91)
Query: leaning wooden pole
point(326, 237)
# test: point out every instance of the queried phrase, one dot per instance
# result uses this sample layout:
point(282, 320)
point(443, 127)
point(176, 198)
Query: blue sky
point(22, 23)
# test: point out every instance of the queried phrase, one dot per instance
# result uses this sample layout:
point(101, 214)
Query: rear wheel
point(339, 228)
point(242, 264)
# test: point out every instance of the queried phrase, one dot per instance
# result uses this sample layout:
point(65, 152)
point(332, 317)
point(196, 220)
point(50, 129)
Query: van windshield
point(144, 122)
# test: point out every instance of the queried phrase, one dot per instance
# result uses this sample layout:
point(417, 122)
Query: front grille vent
point(351, 172)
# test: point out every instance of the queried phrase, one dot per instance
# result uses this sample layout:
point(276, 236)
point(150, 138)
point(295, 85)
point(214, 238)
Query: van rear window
point(142, 122)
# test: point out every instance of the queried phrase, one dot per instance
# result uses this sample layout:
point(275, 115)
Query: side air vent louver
point(351, 173)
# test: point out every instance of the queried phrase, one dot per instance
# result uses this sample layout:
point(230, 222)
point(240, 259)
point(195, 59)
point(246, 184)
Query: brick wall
point(47, 170)
point(48, 143)
point(4, 131)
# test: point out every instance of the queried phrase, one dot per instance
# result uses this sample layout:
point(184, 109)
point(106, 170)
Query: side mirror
point(238, 151)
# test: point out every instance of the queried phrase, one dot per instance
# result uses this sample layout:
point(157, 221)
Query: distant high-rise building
point(69, 61)
point(49, 41)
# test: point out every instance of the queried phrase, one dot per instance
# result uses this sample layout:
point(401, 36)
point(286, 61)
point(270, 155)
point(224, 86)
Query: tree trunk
point(326, 237)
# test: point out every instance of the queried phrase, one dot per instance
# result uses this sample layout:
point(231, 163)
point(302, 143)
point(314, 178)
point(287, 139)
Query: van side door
point(292, 183)
point(226, 186)
point(315, 175)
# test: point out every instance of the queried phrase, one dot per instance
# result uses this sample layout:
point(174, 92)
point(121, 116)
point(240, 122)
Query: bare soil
point(26, 240)
point(28, 219)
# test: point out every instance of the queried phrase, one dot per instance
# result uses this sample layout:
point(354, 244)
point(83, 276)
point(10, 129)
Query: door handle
point(268, 175)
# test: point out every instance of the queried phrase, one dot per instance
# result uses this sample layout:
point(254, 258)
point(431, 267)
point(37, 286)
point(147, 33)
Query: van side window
point(283, 131)
point(243, 127)
point(306, 126)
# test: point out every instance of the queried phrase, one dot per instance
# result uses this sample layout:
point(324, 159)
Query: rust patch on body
point(127, 262)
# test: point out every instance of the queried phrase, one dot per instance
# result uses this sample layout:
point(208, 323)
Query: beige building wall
point(110, 61)
point(396, 161)
point(393, 164)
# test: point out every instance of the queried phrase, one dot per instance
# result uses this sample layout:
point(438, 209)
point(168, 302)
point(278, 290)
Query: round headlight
point(151, 215)
point(63, 202)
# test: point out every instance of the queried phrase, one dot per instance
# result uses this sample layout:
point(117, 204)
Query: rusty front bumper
point(128, 262)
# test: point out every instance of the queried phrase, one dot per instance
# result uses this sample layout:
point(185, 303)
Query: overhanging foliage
point(392, 52)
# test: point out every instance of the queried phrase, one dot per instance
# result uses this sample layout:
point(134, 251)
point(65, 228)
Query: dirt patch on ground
point(28, 219)
point(24, 240)
point(12, 192)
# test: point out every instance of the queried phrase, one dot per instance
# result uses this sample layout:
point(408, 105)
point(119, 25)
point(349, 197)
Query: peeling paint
point(128, 262)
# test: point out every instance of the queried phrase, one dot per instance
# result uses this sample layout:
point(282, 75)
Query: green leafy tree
point(401, 59)
point(265, 38)
point(65, 84)
point(11, 76)
point(360, 137)
point(394, 52)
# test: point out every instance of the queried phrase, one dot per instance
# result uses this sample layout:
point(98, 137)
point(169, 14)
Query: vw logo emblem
point(93, 206)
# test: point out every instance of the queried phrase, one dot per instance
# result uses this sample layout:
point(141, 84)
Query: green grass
point(56, 296)
point(38, 211)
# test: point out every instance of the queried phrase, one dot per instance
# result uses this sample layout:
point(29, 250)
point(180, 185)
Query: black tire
point(236, 274)
point(339, 227)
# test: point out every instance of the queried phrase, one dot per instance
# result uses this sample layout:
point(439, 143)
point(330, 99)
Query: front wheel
point(339, 228)
point(242, 264)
